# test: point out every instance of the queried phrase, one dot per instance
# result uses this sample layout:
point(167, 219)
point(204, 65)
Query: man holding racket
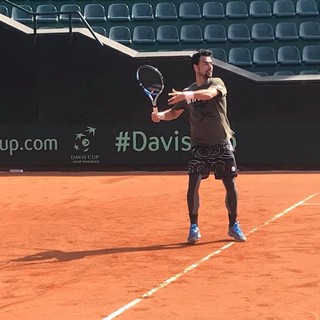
point(211, 150)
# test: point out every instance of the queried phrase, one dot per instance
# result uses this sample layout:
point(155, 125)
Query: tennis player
point(211, 150)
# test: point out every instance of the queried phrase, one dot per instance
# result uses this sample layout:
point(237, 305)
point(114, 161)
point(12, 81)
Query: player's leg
point(193, 197)
point(193, 202)
point(231, 199)
point(234, 229)
point(225, 168)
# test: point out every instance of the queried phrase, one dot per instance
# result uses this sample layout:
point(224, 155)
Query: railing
point(69, 13)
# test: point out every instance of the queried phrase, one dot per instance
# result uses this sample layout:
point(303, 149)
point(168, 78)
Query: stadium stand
point(188, 25)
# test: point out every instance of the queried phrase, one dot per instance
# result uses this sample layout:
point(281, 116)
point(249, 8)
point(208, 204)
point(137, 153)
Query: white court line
point(199, 262)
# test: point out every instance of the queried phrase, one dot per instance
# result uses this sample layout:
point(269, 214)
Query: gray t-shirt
point(209, 123)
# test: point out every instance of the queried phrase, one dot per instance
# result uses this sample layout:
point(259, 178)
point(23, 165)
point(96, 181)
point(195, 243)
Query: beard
point(207, 75)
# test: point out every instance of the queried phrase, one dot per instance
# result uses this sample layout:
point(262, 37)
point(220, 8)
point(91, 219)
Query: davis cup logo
point(82, 145)
point(83, 139)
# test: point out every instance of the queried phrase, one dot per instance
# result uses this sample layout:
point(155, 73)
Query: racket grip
point(155, 110)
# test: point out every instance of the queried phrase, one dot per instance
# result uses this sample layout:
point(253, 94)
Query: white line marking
point(199, 262)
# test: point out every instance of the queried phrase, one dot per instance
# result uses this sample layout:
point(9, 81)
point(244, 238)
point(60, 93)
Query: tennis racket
point(151, 81)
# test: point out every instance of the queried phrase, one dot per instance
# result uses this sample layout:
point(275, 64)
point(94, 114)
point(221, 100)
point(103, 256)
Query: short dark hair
point(200, 53)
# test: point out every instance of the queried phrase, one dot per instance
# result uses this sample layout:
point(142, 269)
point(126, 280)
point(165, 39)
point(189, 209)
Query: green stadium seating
point(22, 16)
point(118, 12)
point(166, 11)
point(238, 32)
point(260, 9)
point(47, 8)
point(121, 34)
point(215, 33)
point(309, 30)
point(307, 8)
point(191, 34)
point(283, 8)
point(167, 34)
point(289, 55)
point(142, 12)
point(264, 56)
point(95, 12)
point(240, 56)
point(236, 9)
point(4, 10)
point(286, 31)
point(262, 31)
point(64, 17)
point(255, 28)
point(213, 10)
point(143, 35)
point(189, 11)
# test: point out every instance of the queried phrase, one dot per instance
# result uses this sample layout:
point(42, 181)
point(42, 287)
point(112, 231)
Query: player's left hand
point(176, 96)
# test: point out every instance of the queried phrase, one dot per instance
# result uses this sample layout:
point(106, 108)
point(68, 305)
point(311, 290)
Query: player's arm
point(166, 115)
point(204, 94)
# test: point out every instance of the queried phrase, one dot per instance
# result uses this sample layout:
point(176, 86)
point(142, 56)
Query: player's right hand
point(155, 117)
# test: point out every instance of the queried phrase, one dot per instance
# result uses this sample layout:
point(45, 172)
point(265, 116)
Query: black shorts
point(218, 159)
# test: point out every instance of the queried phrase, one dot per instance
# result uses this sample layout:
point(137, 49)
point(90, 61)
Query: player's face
point(205, 67)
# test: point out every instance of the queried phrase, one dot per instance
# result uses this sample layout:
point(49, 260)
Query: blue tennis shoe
point(194, 234)
point(236, 233)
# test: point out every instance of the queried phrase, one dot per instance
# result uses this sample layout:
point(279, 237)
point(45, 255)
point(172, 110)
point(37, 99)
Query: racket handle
point(155, 110)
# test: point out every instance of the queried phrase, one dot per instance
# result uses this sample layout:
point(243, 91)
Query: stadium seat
point(100, 30)
point(64, 17)
point(47, 8)
point(21, 16)
point(219, 53)
point(189, 11)
point(309, 30)
point(167, 34)
point(215, 33)
point(4, 10)
point(264, 56)
point(238, 32)
point(307, 72)
point(94, 12)
point(262, 31)
point(166, 11)
point(260, 9)
point(121, 34)
point(240, 56)
point(262, 73)
point(289, 55)
point(283, 73)
point(286, 31)
point(118, 12)
point(236, 9)
point(283, 8)
point(311, 54)
point(143, 35)
point(306, 8)
point(191, 34)
point(142, 11)
point(213, 10)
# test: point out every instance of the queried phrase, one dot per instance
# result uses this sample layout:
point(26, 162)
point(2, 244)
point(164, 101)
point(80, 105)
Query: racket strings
point(150, 81)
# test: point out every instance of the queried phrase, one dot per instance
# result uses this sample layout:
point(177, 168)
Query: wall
point(77, 106)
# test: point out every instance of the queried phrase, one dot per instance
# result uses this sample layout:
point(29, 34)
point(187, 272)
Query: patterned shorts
point(218, 159)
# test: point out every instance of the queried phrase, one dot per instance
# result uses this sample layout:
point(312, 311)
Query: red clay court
point(95, 246)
